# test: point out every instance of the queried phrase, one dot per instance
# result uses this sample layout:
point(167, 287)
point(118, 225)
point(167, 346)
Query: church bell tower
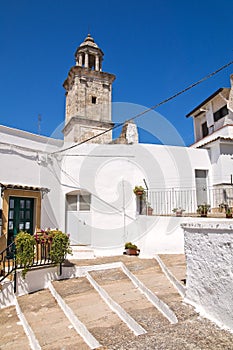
point(88, 96)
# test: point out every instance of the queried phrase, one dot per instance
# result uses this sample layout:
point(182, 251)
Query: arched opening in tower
point(92, 62)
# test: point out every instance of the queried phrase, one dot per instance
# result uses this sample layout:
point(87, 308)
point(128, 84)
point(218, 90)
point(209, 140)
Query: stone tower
point(88, 96)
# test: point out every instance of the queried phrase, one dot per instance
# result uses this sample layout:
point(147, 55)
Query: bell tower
point(88, 96)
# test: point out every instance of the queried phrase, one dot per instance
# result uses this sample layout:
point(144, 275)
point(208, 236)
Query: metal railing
point(164, 201)
point(8, 260)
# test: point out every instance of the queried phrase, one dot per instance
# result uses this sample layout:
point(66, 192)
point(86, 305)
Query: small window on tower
point(93, 100)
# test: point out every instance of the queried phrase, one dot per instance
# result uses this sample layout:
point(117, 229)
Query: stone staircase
point(118, 303)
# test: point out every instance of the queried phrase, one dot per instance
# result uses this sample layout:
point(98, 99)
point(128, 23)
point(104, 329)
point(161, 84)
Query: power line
point(148, 109)
point(76, 183)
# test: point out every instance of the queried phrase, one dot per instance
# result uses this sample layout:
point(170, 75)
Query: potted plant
point(25, 244)
point(131, 249)
point(203, 209)
point(228, 213)
point(178, 211)
point(222, 206)
point(139, 190)
point(149, 210)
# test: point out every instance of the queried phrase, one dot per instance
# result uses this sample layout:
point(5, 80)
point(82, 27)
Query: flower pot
point(130, 251)
point(150, 211)
point(229, 216)
point(139, 193)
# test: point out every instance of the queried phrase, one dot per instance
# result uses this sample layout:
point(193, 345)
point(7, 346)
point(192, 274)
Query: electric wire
point(76, 183)
point(149, 109)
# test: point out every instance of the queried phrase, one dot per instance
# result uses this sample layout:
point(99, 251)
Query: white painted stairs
point(72, 312)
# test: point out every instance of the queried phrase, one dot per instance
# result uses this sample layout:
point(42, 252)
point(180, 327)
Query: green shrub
point(130, 245)
point(139, 189)
point(60, 247)
point(25, 244)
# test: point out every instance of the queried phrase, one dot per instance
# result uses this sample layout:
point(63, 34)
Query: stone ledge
point(209, 225)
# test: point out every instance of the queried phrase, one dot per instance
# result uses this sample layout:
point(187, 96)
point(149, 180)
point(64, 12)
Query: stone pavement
point(54, 331)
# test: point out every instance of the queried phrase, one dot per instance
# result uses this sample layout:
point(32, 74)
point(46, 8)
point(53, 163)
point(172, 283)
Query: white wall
point(226, 131)
point(109, 173)
point(222, 163)
point(208, 250)
point(25, 161)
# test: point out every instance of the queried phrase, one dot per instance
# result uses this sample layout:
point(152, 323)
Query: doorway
point(201, 186)
point(78, 217)
point(20, 216)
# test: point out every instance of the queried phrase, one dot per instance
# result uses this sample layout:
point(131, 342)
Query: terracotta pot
point(150, 211)
point(139, 193)
point(130, 251)
point(229, 216)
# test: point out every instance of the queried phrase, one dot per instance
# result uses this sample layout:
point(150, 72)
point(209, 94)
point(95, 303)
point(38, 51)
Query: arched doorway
point(78, 217)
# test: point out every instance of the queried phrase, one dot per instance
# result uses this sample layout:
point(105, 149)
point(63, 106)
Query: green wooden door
point(20, 216)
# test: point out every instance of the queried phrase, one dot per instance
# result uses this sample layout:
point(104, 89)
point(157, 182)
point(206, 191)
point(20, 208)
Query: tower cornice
point(87, 73)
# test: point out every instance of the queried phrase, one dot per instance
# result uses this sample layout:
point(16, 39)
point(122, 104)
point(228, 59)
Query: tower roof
point(89, 41)
point(89, 46)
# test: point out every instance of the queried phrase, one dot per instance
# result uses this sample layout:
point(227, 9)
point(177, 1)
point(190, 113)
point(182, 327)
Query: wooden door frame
point(36, 195)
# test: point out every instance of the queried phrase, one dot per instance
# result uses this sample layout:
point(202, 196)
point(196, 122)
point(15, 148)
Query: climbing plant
point(24, 251)
point(60, 247)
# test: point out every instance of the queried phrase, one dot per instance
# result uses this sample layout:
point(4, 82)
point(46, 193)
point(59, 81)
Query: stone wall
point(209, 255)
point(88, 104)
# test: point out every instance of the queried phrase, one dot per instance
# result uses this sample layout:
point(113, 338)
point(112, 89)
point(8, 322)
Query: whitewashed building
point(84, 184)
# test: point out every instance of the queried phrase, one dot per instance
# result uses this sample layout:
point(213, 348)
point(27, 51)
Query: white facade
point(87, 191)
point(208, 249)
point(108, 173)
point(212, 114)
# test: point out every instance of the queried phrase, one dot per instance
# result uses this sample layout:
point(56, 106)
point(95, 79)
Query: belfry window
point(221, 113)
point(91, 59)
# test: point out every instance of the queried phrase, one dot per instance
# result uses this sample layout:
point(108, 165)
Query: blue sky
point(155, 48)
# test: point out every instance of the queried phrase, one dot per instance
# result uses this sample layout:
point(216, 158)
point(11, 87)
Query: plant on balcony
point(228, 213)
point(178, 211)
point(44, 236)
point(60, 247)
point(203, 209)
point(24, 251)
point(149, 209)
point(131, 249)
point(222, 206)
point(139, 190)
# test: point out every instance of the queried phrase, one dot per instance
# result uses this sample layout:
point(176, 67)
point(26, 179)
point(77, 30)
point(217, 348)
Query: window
point(78, 202)
point(84, 202)
point(220, 113)
point(205, 130)
point(71, 202)
point(200, 174)
point(93, 99)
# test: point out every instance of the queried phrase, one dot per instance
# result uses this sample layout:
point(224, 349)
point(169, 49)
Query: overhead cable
point(148, 109)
